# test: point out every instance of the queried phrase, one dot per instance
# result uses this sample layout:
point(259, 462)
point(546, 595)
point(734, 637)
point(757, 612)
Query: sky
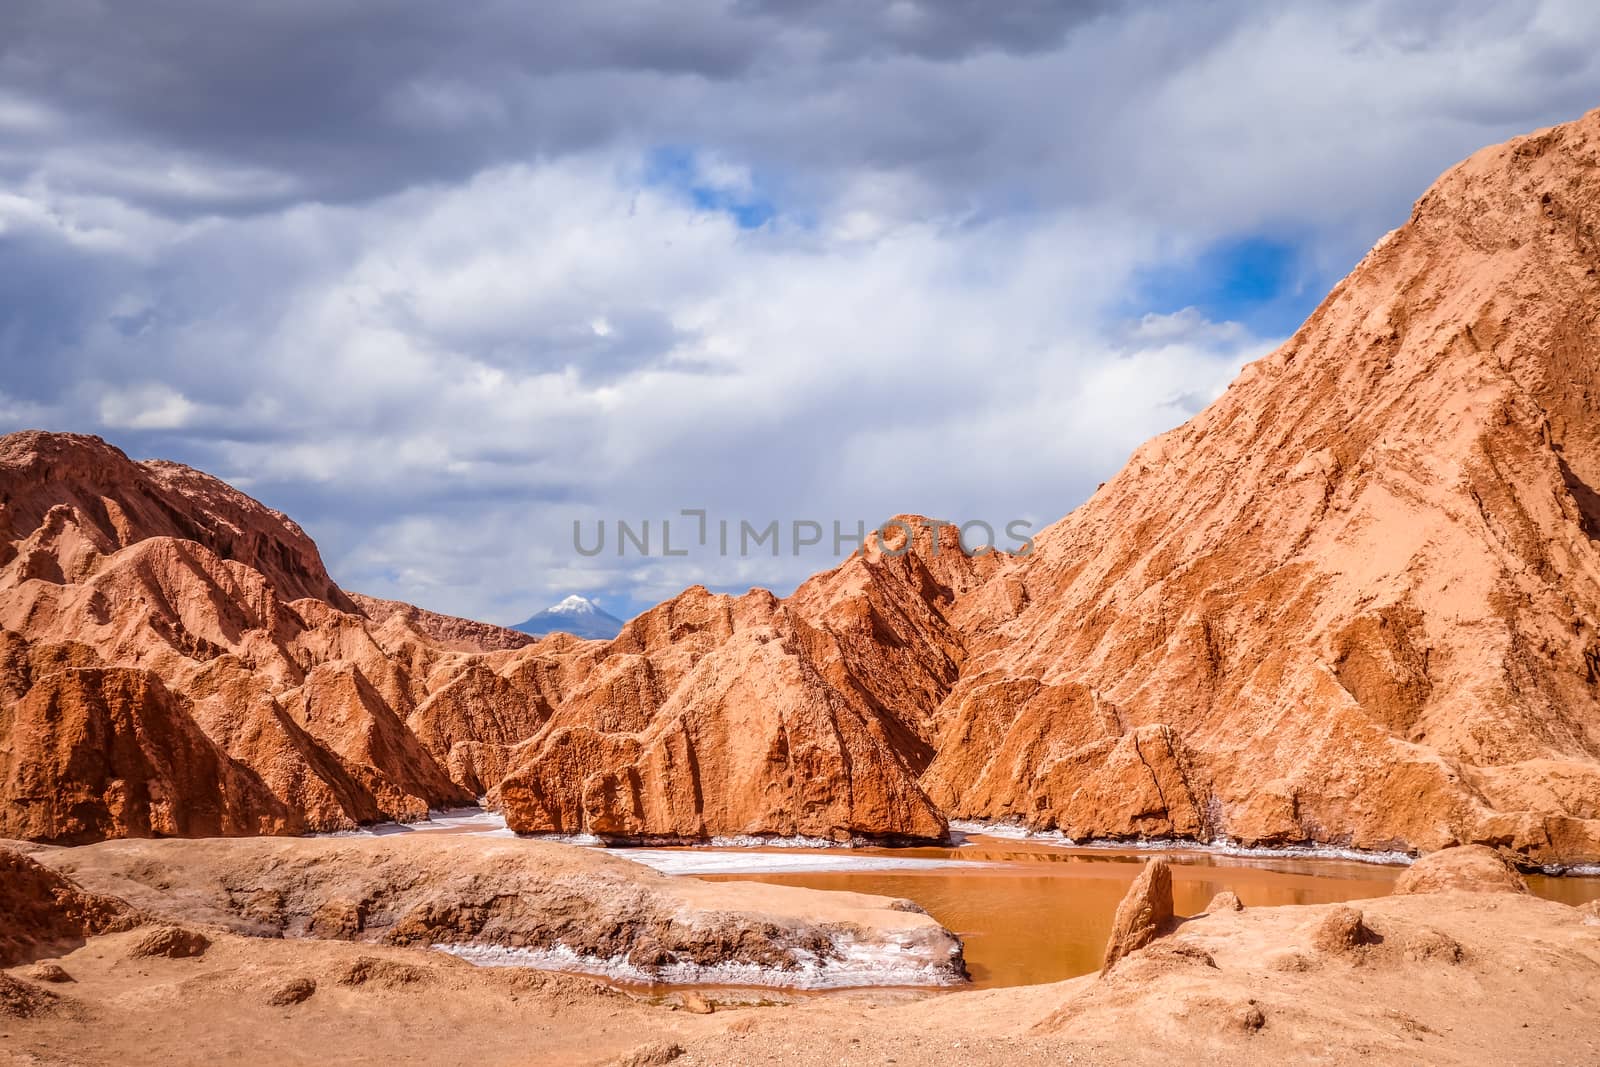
point(442, 281)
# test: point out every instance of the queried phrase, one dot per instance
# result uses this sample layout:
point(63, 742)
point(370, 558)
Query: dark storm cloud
point(346, 98)
point(188, 107)
point(932, 29)
point(340, 100)
point(49, 293)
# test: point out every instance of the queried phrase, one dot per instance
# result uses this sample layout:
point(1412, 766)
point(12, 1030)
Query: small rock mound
point(1431, 945)
point(1226, 900)
point(370, 970)
point(1144, 913)
point(173, 942)
point(1245, 1018)
point(695, 1004)
point(1591, 911)
point(1182, 953)
point(338, 920)
point(1343, 931)
point(651, 1055)
point(24, 1000)
point(1465, 869)
point(294, 991)
point(49, 972)
point(1289, 962)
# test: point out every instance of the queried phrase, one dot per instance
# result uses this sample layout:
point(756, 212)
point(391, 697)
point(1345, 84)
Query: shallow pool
point(1028, 909)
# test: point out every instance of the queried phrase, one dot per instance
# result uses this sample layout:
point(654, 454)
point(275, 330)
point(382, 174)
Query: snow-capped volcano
point(575, 615)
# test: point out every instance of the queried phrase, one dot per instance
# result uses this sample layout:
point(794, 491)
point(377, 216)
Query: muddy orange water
point(1027, 910)
point(1042, 913)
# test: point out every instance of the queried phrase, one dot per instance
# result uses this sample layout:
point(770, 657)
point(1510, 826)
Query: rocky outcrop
point(1144, 914)
point(517, 902)
point(24, 1000)
point(1224, 902)
point(171, 942)
point(714, 715)
point(174, 660)
point(42, 912)
point(1359, 594)
point(447, 631)
point(1342, 931)
point(1400, 979)
point(246, 699)
point(109, 752)
point(1465, 869)
point(71, 500)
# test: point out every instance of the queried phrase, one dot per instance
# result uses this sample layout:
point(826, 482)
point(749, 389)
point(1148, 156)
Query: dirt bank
point(526, 903)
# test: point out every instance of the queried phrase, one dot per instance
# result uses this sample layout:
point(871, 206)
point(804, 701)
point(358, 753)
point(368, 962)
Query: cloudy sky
point(439, 280)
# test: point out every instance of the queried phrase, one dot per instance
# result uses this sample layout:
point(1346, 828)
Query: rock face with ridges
point(175, 661)
point(70, 500)
point(154, 683)
point(1355, 602)
point(42, 912)
point(1359, 595)
point(716, 715)
point(449, 632)
point(104, 752)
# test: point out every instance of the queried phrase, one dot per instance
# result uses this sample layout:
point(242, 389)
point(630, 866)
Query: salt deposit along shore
point(524, 903)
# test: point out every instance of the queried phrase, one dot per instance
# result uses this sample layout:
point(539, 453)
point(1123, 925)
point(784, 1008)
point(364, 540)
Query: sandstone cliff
point(724, 715)
point(1356, 601)
point(174, 661)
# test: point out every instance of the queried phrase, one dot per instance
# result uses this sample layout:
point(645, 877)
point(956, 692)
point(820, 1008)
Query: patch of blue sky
point(683, 170)
point(1264, 283)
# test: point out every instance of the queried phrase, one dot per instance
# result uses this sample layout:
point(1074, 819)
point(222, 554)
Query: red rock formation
point(42, 912)
point(750, 715)
point(203, 700)
point(1144, 913)
point(174, 660)
point(1359, 596)
point(71, 500)
point(102, 752)
point(447, 631)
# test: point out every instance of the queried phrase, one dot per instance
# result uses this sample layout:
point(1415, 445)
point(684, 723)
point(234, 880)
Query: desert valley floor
point(325, 950)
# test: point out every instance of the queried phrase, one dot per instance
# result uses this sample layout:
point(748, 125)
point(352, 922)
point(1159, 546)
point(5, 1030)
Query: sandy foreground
point(1439, 977)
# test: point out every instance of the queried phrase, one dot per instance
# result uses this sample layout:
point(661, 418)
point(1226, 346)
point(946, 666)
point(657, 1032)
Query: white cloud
point(968, 370)
point(436, 305)
point(145, 407)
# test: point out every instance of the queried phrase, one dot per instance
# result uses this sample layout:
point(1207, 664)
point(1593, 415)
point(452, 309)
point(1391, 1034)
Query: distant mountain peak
point(576, 615)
